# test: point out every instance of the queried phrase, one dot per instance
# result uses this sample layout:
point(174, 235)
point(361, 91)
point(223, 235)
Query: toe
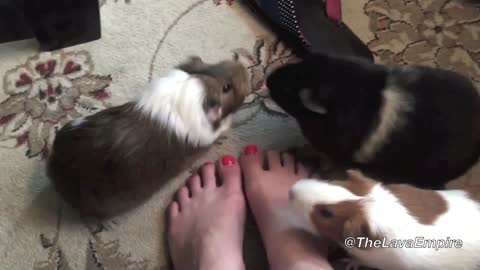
point(183, 197)
point(173, 218)
point(288, 162)
point(208, 175)
point(194, 184)
point(274, 162)
point(251, 162)
point(302, 171)
point(230, 174)
point(173, 210)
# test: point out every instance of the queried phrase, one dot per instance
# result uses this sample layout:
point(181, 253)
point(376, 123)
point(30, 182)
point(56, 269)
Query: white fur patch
point(313, 191)
point(395, 105)
point(306, 98)
point(77, 122)
point(176, 102)
point(288, 218)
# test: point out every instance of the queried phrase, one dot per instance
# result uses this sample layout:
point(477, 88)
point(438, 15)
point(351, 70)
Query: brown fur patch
point(473, 192)
point(357, 183)
point(348, 220)
point(425, 205)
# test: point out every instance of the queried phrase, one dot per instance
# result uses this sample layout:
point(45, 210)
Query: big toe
point(251, 163)
point(229, 172)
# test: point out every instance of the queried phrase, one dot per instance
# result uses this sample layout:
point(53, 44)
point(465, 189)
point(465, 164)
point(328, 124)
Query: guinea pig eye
point(326, 213)
point(227, 87)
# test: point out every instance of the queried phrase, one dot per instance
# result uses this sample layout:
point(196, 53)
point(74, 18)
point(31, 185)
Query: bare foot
point(206, 224)
point(267, 193)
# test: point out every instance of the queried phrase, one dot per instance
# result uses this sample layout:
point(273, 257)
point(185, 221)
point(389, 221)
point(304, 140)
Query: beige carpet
point(140, 39)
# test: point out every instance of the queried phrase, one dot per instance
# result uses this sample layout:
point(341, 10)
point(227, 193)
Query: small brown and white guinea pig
point(362, 209)
point(403, 124)
point(111, 161)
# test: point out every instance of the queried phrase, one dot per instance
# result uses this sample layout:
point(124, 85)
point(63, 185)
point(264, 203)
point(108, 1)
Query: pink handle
point(334, 10)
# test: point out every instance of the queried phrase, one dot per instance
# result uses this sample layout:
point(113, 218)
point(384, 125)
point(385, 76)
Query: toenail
point(228, 160)
point(251, 149)
point(208, 163)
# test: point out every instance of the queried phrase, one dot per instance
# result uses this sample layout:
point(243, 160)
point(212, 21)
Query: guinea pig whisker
point(186, 139)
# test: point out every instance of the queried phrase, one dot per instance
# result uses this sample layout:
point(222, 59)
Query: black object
point(54, 23)
point(305, 26)
point(13, 25)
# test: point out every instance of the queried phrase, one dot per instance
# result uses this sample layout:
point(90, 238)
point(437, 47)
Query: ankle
point(303, 262)
point(223, 262)
point(303, 265)
point(295, 250)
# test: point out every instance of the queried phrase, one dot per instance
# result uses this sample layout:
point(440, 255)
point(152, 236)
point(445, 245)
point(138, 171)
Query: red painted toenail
point(208, 163)
point(228, 160)
point(251, 149)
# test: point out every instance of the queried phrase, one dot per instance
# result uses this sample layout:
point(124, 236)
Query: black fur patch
point(439, 141)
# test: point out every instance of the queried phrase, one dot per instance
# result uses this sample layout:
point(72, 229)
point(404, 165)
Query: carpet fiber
point(141, 39)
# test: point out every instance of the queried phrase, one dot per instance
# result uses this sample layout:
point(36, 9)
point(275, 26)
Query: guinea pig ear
point(196, 60)
point(312, 103)
point(240, 58)
point(359, 177)
point(192, 64)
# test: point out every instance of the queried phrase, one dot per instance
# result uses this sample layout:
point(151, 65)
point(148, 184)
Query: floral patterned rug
point(39, 92)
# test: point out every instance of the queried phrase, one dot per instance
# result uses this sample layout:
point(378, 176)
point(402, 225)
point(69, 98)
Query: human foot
point(267, 192)
point(206, 220)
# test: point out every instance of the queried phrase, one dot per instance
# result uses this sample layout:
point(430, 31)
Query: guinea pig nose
point(214, 113)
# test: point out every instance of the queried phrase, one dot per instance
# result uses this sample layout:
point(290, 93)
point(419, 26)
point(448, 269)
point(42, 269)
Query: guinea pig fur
point(405, 124)
point(394, 215)
point(112, 161)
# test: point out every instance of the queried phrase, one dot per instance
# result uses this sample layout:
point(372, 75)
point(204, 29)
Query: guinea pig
point(393, 227)
point(404, 124)
point(112, 161)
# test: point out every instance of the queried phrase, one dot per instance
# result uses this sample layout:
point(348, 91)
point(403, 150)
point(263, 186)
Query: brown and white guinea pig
point(404, 124)
point(111, 161)
point(393, 227)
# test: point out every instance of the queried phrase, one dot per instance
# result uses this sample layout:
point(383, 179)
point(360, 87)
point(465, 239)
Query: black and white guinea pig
point(410, 124)
point(112, 161)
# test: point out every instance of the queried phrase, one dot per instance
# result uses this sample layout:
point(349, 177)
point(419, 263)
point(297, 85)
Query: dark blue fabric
point(270, 9)
point(317, 32)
